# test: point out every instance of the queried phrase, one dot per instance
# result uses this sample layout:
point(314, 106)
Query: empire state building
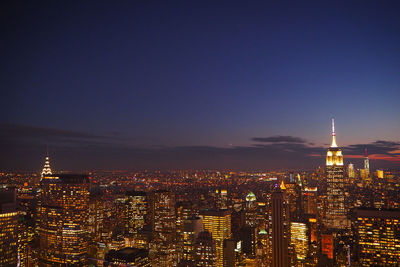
point(335, 210)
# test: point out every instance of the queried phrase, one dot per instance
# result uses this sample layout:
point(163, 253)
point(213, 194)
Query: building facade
point(64, 212)
point(280, 231)
point(136, 206)
point(377, 237)
point(218, 223)
point(8, 228)
point(335, 211)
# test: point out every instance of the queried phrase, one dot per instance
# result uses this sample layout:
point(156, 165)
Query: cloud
point(377, 147)
point(11, 133)
point(380, 151)
point(279, 139)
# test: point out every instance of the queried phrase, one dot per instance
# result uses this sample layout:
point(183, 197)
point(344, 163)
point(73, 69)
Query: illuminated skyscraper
point(310, 196)
point(299, 239)
point(46, 168)
point(64, 212)
point(163, 215)
point(191, 229)
point(222, 198)
point(280, 231)
point(186, 229)
point(336, 212)
point(218, 223)
point(350, 171)
point(251, 210)
point(377, 234)
point(366, 163)
point(205, 250)
point(163, 220)
point(8, 228)
point(136, 205)
point(96, 216)
point(379, 173)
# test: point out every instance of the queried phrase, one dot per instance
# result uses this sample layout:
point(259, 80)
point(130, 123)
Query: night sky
point(243, 85)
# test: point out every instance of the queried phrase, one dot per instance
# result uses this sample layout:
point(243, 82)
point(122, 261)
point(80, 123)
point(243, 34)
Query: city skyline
point(273, 152)
point(200, 133)
point(139, 85)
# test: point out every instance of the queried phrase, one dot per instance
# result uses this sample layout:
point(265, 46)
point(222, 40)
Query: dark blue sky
point(195, 74)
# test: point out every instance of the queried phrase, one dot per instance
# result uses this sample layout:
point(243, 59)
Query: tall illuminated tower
point(251, 210)
point(218, 223)
point(163, 215)
point(350, 171)
point(136, 206)
point(8, 227)
point(63, 226)
point(366, 163)
point(46, 168)
point(299, 239)
point(335, 212)
point(163, 220)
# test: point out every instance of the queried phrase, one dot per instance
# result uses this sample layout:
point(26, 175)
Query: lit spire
point(366, 154)
point(283, 187)
point(299, 179)
point(333, 144)
point(46, 169)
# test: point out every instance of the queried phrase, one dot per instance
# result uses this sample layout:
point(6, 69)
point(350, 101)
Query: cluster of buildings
point(333, 216)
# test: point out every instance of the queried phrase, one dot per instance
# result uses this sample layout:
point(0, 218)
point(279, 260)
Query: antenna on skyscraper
point(333, 144)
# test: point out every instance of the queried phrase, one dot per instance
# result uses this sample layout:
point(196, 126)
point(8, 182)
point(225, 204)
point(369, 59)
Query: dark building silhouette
point(280, 238)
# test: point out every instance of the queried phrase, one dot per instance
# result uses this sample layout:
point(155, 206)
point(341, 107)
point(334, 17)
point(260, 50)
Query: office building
point(63, 228)
point(310, 197)
point(136, 206)
point(191, 229)
point(128, 257)
point(299, 239)
point(221, 198)
point(163, 215)
point(251, 210)
point(205, 250)
point(163, 221)
point(377, 237)
point(8, 227)
point(218, 223)
point(335, 211)
point(351, 173)
point(366, 164)
point(280, 231)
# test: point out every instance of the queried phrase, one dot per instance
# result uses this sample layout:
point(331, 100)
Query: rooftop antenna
point(333, 144)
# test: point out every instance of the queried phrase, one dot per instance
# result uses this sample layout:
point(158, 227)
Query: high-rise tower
point(163, 220)
point(218, 223)
point(63, 225)
point(280, 230)
point(46, 169)
point(136, 206)
point(8, 227)
point(335, 210)
point(366, 163)
point(350, 171)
